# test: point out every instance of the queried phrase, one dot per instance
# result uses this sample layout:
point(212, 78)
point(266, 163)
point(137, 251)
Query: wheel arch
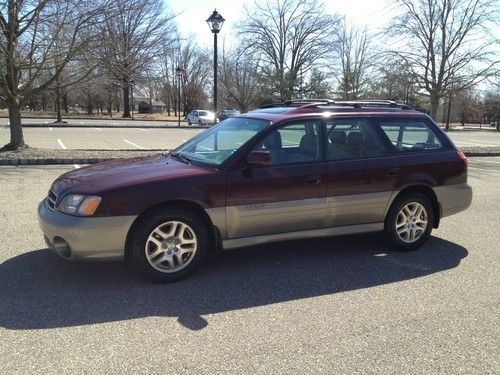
point(421, 189)
point(214, 235)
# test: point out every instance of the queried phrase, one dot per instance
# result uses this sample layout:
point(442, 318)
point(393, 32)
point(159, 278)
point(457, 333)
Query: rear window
point(410, 135)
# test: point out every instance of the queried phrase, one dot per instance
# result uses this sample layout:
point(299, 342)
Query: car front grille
point(51, 199)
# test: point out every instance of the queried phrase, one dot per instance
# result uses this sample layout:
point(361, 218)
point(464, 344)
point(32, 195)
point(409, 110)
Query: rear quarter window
point(410, 135)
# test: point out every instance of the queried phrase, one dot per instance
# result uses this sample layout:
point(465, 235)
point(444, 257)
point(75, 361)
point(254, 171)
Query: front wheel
point(168, 244)
point(409, 222)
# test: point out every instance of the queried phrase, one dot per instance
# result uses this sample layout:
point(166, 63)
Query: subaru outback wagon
point(297, 170)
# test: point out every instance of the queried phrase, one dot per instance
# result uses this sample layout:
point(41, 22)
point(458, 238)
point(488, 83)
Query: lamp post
point(179, 71)
point(215, 22)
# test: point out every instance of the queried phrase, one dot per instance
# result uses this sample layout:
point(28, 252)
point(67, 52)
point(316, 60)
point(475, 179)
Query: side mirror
point(258, 159)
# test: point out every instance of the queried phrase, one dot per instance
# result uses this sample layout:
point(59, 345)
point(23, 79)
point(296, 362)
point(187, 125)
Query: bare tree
point(240, 85)
point(393, 80)
point(133, 41)
point(195, 74)
point(355, 58)
point(288, 36)
point(30, 57)
point(446, 44)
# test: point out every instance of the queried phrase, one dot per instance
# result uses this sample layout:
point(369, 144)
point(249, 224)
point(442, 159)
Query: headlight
point(80, 205)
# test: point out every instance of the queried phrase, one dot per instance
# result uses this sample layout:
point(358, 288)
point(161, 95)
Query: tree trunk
point(16, 130)
point(65, 103)
point(90, 110)
point(434, 106)
point(126, 100)
point(58, 105)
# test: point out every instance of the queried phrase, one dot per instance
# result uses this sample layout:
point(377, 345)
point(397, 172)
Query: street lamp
point(179, 71)
point(215, 22)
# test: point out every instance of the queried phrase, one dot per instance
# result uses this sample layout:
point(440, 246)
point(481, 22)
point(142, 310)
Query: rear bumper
point(453, 198)
point(84, 238)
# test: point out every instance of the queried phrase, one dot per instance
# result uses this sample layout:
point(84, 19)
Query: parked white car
point(200, 117)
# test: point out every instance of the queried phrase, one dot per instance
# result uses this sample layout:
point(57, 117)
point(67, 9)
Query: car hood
point(124, 172)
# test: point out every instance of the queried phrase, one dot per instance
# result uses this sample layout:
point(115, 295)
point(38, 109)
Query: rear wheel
point(409, 222)
point(199, 122)
point(189, 122)
point(168, 244)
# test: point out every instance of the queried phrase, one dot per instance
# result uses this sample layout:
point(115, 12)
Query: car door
point(361, 173)
point(286, 196)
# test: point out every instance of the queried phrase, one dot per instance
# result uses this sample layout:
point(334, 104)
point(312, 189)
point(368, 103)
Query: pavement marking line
point(50, 128)
point(76, 166)
point(184, 140)
point(61, 144)
point(133, 144)
point(141, 129)
point(98, 129)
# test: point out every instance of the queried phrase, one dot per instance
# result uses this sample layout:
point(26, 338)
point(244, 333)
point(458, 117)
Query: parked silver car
point(200, 117)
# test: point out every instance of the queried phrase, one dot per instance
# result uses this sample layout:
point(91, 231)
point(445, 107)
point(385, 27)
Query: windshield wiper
point(181, 157)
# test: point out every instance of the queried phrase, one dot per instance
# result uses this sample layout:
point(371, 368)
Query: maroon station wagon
point(298, 170)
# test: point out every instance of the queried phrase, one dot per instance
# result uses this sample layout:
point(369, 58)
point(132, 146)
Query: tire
point(200, 123)
point(168, 244)
point(409, 223)
point(189, 122)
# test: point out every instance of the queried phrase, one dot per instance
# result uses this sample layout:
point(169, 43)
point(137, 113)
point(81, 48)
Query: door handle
point(313, 180)
point(393, 172)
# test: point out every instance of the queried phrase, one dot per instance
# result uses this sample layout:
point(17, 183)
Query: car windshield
point(203, 113)
point(215, 145)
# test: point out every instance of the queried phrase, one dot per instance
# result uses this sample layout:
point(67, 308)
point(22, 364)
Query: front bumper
point(84, 238)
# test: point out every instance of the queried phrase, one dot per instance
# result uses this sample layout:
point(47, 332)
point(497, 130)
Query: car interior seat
point(309, 142)
point(337, 149)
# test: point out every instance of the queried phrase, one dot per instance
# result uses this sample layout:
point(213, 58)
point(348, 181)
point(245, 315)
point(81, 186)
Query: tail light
point(462, 157)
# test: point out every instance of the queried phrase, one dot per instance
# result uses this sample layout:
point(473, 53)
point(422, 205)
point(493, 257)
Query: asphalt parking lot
point(338, 305)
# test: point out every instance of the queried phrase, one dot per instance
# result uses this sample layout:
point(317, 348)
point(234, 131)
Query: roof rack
point(377, 103)
point(317, 103)
point(297, 103)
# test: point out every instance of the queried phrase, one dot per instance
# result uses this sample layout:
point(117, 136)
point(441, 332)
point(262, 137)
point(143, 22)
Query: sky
point(193, 13)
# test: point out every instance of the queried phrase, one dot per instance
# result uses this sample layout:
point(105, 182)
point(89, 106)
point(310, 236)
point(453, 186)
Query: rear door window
point(352, 138)
point(410, 135)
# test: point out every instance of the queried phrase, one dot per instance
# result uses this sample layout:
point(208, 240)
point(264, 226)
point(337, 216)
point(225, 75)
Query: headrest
point(338, 136)
point(355, 138)
point(273, 141)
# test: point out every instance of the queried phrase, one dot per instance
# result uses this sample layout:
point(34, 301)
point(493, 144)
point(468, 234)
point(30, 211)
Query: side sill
point(326, 232)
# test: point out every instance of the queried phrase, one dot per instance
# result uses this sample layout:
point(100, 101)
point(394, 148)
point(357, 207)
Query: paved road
point(333, 306)
point(150, 138)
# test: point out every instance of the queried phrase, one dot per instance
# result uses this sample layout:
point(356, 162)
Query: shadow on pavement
point(39, 290)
